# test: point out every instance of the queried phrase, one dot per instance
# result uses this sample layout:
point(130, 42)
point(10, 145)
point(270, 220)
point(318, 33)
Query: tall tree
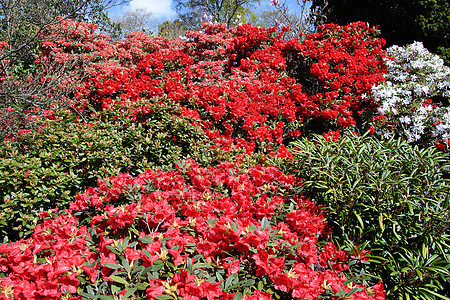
point(171, 29)
point(401, 21)
point(193, 12)
point(22, 22)
point(303, 20)
point(273, 18)
point(139, 19)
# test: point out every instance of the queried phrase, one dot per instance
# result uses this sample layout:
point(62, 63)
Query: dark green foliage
point(401, 21)
point(46, 170)
point(388, 197)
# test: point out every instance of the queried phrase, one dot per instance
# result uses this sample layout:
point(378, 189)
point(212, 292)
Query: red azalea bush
point(194, 233)
point(246, 85)
point(344, 64)
point(224, 231)
point(249, 91)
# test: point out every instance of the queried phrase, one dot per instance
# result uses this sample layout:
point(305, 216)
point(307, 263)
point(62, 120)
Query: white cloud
point(160, 8)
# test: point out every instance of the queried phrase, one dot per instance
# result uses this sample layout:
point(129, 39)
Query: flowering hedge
point(217, 230)
point(217, 233)
point(240, 87)
point(237, 82)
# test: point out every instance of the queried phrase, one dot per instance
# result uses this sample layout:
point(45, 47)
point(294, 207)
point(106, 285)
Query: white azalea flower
point(414, 75)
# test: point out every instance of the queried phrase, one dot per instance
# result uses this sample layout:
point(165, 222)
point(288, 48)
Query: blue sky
point(164, 10)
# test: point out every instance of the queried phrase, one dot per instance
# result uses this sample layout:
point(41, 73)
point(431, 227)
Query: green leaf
point(129, 293)
point(394, 231)
point(112, 266)
point(90, 291)
point(434, 293)
point(126, 265)
point(87, 295)
point(164, 297)
point(359, 219)
point(265, 223)
point(242, 283)
point(219, 277)
point(230, 280)
point(147, 253)
point(189, 265)
point(424, 250)
point(146, 240)
point(354, 291)
point(142, 286)
point(113, 250)
point(238, 296)
point(123, 245)
point(115, 288)
point(380, 222)
point(349, 280)
point(119, 280)
point(419, 274)
point(211, 221)
point(234, 226)
point(260, 285)
point(157, 267)
point(146, 270)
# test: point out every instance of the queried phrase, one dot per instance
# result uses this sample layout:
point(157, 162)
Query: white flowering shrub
point(414, 97)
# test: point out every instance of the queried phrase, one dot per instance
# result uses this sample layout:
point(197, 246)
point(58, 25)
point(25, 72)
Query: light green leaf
point(434, 293)
point(119, 280)
point(380, 222)
point(129, 293)
point(164, 297)
point(264, 223)
point(359, 219)
point(230, 280)
point(112, 266)
point(126, 265)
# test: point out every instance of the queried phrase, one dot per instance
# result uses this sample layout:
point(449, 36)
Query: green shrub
point(388, 197)
point(46, 169)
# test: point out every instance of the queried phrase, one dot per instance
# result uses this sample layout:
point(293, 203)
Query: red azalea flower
point(69, 283)
point(211, 289)
point(92, 272)
point(155, 288)
point(258, 295)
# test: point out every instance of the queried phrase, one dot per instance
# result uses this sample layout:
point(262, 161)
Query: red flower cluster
point(204, 232)
point(332, 135)
point(239, 81)
point(47, 265)
point(349, 62)
point(197, 232)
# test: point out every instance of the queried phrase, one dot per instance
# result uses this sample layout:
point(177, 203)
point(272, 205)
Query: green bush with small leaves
point(389, 197)
point(46, 169)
